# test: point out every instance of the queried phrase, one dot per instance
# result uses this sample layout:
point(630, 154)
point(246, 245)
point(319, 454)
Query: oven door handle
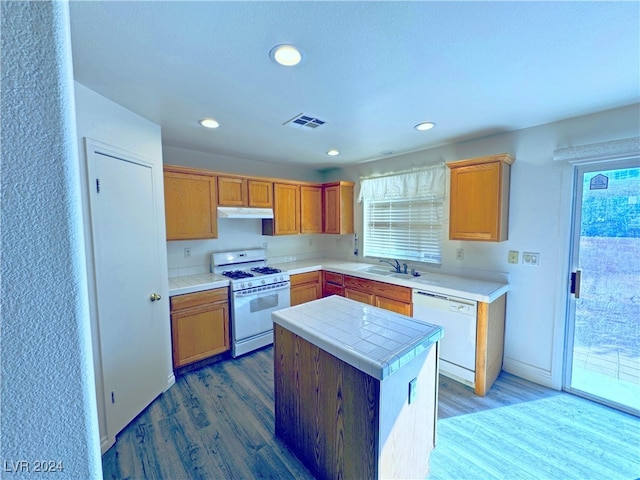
point(255, 290)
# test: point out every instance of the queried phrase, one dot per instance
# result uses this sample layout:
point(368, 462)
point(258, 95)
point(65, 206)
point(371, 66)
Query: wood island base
point(344, 423)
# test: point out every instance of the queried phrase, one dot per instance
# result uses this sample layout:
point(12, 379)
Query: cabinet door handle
point(155, 296)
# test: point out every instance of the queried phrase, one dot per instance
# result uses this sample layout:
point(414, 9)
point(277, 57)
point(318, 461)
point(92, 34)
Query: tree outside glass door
point(603, 336)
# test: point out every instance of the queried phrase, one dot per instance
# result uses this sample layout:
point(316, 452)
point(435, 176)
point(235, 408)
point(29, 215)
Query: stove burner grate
point(266, 270)
point(237, 274)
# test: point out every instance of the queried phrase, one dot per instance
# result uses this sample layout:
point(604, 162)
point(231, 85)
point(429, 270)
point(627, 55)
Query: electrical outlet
point(459, 254)
point(265, 246)
point(187, 252)
point(531, 258)
point(513, 256)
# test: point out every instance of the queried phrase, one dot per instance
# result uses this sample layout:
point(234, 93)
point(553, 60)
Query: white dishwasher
point(458, 345)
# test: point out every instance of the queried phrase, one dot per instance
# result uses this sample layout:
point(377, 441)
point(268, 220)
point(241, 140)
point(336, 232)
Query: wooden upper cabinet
point(241, 192)
point(232, 192)
point(338, 207)
point(479, 198)
point(286, 211)
point(260, 193)
point(190, 206)
point(310, 209)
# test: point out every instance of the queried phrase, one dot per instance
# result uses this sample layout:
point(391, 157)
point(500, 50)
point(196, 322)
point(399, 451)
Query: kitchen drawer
point(357, 283)
point(333, 278)
point(300, 278)
point(379, 289)
point(330, 289)
point(395, 292)
point(180, 302)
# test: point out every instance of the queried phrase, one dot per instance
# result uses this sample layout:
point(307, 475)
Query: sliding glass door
point(603, 338)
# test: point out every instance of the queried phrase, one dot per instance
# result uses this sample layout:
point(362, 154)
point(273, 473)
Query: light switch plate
point(513, 256)
point(531, 258)
point(413, 390)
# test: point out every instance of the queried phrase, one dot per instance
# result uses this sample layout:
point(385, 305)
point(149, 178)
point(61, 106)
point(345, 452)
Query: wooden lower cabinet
point(199, 325)
point(394, 305)
point(306, 287)
point(332, 284)
point(358, 296)
point(394, 298)
point(489, 343)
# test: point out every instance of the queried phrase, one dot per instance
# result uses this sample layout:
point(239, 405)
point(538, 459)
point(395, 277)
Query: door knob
point(155, 296)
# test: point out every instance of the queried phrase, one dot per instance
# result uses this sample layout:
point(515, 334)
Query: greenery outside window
point(403, 215)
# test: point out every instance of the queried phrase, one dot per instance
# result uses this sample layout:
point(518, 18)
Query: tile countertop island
point(355, 389)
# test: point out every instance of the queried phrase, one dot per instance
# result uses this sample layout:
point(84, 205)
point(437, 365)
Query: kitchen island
point(356, 389)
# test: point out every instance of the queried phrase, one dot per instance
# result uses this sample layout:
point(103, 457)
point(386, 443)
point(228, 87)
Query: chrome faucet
point(395, 266)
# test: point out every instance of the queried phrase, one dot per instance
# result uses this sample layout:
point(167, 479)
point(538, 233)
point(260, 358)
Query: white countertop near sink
point(196, 283)
point(373, 340)
point(452, 285)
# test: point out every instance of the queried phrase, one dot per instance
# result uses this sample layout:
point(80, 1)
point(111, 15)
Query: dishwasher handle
point(429, 294)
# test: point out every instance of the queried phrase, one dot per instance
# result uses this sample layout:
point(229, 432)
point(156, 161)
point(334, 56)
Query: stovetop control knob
point(264, 282)
point(242, 285)
point(249, 284)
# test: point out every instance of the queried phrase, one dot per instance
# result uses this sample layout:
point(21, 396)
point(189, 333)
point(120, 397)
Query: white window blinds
point(403, 215)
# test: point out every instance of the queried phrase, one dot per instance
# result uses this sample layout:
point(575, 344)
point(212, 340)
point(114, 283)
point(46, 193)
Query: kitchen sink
point(377, 270)
point(386, 271)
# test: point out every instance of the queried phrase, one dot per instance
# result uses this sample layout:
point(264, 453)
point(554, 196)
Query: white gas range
point(256, 291)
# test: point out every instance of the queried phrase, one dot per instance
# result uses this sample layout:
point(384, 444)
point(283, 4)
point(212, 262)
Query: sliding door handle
point(575, 282)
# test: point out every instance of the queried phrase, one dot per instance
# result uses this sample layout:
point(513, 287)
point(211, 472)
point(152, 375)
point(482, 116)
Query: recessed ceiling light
point(287, 55)
point(387, 152)
point(425, 126)
point(209, 123)
point(333, 152)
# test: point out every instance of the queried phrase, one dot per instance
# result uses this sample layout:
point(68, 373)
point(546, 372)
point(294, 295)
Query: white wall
point(540, 213)
point(48, 407)
point(222, 163)
point(101, 119)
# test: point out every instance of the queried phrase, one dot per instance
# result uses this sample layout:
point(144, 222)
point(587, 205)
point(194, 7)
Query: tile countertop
point(462, 287)
point(373, 340)
point(196, 283)
point(456, 286)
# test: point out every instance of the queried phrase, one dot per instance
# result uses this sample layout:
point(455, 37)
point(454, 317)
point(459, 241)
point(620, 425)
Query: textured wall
point(47, 409)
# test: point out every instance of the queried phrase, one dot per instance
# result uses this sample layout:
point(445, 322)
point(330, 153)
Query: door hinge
point(575, 282)
point(97, 185)
point(113, 397)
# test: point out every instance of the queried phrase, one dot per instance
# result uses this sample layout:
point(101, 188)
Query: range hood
point(244, 212)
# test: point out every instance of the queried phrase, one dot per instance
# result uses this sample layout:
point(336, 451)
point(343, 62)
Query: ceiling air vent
point(304, 121)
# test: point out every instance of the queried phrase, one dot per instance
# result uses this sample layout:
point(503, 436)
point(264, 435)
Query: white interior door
point(133, 325)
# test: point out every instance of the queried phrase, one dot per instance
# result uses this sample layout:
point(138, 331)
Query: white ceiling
point(372, 70)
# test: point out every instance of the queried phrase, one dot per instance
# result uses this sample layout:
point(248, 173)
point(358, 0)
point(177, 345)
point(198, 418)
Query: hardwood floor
point(217, 422)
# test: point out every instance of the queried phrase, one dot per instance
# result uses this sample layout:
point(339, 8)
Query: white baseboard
point(106, 443)
point(529, 372)
point(171, 379)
